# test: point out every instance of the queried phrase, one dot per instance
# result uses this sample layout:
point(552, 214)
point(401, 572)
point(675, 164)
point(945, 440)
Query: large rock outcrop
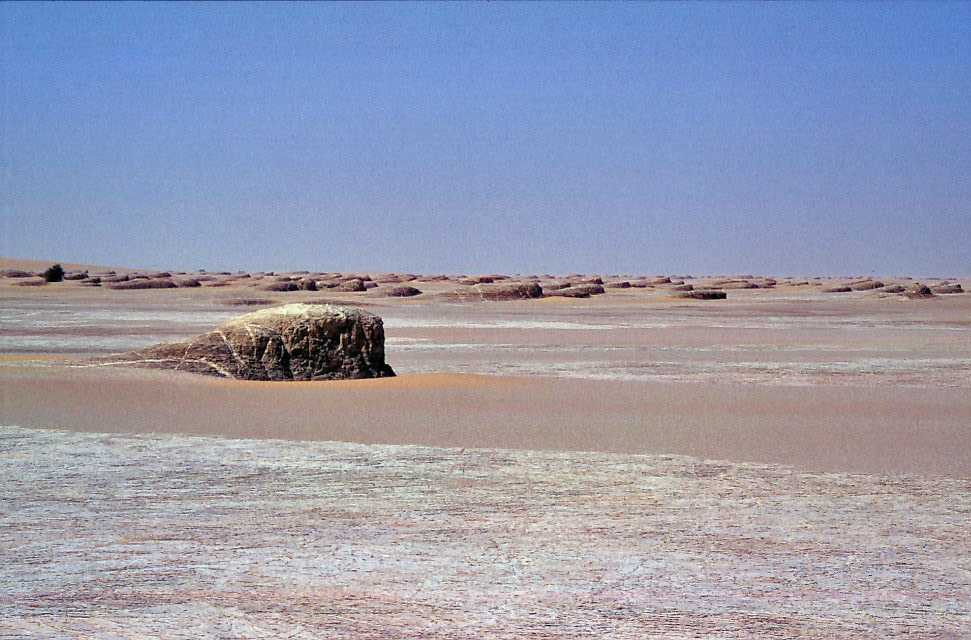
point(291, 342)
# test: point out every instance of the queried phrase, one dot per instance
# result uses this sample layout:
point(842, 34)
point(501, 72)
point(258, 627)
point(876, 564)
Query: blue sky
point(780, 138)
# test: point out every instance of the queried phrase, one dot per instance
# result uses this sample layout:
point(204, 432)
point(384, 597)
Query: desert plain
point(559, 456)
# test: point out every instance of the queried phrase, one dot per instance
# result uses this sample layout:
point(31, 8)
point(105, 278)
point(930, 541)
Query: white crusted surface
point(185, 537)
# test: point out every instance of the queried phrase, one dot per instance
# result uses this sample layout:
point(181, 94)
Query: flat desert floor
point(787, 462)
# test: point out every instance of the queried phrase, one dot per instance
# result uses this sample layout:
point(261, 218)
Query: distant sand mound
point(160, 283)
point(401, 292)
point(498, 292)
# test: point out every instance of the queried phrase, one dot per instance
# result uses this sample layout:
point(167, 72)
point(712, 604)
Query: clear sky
point(701, 138)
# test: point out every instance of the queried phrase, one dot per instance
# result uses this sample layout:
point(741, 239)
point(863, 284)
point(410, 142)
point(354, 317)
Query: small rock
point(16, 273)
point(161, 283)
point(401, 292)
point(31, 283)
point(277, 286)
point(509, 291)
point(355, 284)
point(948, 288)
point(579, 291)
point(701, 294)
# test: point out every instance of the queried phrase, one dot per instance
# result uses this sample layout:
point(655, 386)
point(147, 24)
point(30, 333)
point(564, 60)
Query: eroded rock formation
point(291, 342)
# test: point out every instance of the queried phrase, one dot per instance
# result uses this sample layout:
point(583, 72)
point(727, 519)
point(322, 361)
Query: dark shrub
point(918, 291)
point(54, 273)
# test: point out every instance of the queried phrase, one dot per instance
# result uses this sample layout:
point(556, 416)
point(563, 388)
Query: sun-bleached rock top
point(296, 311)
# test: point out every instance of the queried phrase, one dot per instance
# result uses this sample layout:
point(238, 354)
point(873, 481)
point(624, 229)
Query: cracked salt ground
point(394, 319)
point(426, 344)
point(187, 537)
point(912, 372)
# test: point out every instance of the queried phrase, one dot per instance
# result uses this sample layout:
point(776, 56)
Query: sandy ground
point(784, 463)
point(865, 430)
point(857, 382)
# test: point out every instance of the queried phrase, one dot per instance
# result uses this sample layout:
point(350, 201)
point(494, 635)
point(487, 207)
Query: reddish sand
point(867, 430)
